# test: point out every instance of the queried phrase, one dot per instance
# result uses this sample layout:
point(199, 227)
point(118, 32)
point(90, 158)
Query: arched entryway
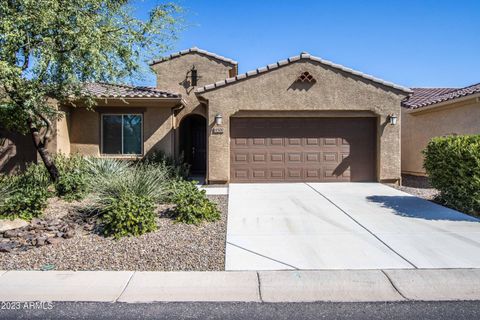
point(193, 142)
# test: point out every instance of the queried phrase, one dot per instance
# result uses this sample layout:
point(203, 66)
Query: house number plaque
point(217, 130)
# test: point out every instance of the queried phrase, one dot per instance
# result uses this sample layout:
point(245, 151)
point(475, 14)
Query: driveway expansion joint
point(361, 225)
point(394, 286)
point(259, 287)
point(261, 255)
point(126, 286)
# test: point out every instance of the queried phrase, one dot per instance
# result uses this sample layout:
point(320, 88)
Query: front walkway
point(344, 226)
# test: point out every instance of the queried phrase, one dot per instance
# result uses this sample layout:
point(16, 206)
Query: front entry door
point(199, 149)
point(193, 143)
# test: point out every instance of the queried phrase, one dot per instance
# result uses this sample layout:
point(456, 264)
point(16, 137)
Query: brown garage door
point(302, 149)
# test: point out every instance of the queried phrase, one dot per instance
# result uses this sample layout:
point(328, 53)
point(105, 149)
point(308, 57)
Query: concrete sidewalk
point(248, 286)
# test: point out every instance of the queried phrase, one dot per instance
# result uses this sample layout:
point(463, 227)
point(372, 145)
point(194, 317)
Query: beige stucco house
point(299, 119)
point(435, 112)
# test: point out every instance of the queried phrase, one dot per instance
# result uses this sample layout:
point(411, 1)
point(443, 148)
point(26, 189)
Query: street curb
point(242, 286)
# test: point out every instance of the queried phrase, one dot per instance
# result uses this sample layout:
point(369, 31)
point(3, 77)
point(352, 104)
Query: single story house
point(435, 112)
point(299, 119)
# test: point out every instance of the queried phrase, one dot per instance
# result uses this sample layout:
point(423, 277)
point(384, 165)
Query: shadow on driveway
point(413, 207)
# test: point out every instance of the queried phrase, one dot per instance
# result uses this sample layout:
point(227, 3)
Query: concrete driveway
point(344, 226)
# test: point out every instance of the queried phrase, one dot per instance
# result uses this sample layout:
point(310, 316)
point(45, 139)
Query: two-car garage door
point(302, 149)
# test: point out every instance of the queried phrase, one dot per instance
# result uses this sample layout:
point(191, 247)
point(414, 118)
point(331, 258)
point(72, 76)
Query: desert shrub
point(105, 167)
point(129, 215)
point(453, 167)
point(6, 187)
point(176, 168)
point(73, 181)
point(191, 204)
point(26, 194)
point(125, 201)
point(142, 180)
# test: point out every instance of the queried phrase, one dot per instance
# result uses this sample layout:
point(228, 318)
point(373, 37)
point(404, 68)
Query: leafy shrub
point(191, 204)
point(26, 194)
point(453, 166)
point(176, 168)
point(129, 215)
point(73, 181)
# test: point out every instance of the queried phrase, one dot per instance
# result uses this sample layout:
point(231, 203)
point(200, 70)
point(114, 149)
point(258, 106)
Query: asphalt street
point(277, 311)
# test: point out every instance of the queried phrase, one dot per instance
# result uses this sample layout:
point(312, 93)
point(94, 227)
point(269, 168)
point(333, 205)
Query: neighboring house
point(435, 112)
point(299, 119)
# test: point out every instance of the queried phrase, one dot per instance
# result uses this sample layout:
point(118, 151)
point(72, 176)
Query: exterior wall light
point(392, 119)
point(218, 119)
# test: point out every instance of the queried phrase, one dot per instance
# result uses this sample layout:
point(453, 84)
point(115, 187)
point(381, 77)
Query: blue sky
point(423, 43)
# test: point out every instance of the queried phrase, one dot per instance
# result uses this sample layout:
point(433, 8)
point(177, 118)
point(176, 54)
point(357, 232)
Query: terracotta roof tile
point(306, 56)
point(192, 50)
point(108, 90)
point(423, 97)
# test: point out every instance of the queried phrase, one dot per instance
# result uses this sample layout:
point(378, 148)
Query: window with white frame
point(122, 134)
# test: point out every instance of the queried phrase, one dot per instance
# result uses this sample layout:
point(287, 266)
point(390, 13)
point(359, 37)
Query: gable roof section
point(194, 50)
point(423, 97)
point(109, 90)
point(302, 56)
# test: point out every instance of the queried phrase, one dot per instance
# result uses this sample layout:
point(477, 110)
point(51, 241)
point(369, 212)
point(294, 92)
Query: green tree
point(49, 48)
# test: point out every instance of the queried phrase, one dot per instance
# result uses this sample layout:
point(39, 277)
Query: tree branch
point(48, 131)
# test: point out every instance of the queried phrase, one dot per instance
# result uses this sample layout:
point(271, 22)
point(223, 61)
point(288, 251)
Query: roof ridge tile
point(190, 50)
point(120, 90)
point(307, 56)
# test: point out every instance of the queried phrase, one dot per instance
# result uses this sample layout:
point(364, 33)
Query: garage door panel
point(259, 157)
point(303, 149)
point(312, 157)
point(294, 157)
point(313, 174)
point(276, 141)
point(277, 174)
point(276, 158)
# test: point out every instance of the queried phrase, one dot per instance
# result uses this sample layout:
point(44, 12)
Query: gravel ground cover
point(173, 246)
point(417, 186)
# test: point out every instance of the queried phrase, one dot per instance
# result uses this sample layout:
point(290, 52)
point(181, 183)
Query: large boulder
point(7, 224)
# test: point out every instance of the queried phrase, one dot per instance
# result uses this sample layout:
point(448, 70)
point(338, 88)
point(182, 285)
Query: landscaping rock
point(35, 221)
point(54, 240)
point(10, 234)
point(39, 233)
point(174, 246)
point(12, 224)
point(40, 241)
point(6, 246)
point(69, 234)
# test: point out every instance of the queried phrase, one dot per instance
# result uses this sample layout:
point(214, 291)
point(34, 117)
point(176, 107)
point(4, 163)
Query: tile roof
point(305, 56)
point(109, 90)
point(423, 97)
point(197, 50)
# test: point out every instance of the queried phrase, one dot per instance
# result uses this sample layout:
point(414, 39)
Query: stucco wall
point(277, 90)
point(85, 129)
point(172, 76)
point(16, 151)
point(62, 141)
point(418, 128)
